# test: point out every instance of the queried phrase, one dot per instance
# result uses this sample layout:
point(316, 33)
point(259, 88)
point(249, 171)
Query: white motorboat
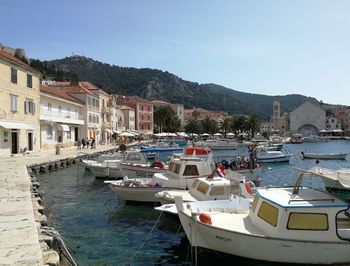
point(132, 170)
point(108, 166)
point(266, 156)
point(324, 156)
point(218, 144)
point(296, 138)
point(216, 188)
point(285, 224)
point(109, 169)
point(182, 172)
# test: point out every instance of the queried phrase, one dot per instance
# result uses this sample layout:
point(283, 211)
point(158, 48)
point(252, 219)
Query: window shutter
point(25, 107)
point(33, 108)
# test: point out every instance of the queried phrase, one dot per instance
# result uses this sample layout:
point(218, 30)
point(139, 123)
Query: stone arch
point(308, 130)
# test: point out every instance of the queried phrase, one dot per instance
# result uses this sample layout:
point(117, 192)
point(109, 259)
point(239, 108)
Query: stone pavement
point(19, 232)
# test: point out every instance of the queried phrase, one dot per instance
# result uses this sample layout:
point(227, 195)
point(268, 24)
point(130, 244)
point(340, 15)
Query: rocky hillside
point(156, 84)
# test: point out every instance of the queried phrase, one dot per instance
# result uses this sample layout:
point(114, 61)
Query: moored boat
point(324, 155)
point(285, 224)
point(266, 156)
point(181, 174)
point(132, 170)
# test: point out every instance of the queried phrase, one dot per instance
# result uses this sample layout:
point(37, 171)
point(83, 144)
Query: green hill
point(156, 84)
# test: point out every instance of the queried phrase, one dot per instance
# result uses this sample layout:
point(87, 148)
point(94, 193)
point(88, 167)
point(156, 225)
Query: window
point(14, 75)
point(49, 106)
point(69, 134)
point(268, 213)
point(60, 108)
point(90, 118)
point(217, 191)
point(195, 183)
point(142, 117)
point(176, 168)
point(14, 103)
point(191, 170)
point(141, 107)
point(68, 112)
point(202, 188)
point(49, 131)
point(308, 221)
point(29, 81)
point(29, 107)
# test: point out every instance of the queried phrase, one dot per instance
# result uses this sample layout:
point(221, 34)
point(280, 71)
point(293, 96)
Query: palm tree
point(209, 125)
point(225, 125)
point(253, 124)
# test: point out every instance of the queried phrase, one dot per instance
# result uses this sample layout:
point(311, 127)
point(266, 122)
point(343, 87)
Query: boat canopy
point(340, 175)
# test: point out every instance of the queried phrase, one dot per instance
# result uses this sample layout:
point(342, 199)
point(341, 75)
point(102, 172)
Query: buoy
point(269, 168)
point(248, 188)
point(205, 218)
point(317, 161)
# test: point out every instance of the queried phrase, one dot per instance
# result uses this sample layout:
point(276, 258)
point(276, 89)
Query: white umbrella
point(217, 134)
point(205, 135)
point(126, 134)
point(230, 134)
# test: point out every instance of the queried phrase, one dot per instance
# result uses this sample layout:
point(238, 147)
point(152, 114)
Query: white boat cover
point(340, 175)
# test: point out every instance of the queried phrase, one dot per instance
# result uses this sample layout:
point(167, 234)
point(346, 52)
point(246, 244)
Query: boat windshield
point(343, 225)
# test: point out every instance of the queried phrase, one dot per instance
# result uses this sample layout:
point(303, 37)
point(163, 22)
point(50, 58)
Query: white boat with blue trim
point(285, 224)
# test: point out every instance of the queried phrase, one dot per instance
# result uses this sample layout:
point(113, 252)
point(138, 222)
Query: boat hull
point(105, 172)
point(277, 159)
point(261, 247)
point(329, 156)
point(138, 171)
point(139, 194)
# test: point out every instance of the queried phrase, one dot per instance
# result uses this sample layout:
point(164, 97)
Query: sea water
point(101, 229)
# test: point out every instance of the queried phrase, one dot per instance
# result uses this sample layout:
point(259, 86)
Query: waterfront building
point(92, 112)
point(129, 117)
point(106, 113)
point(280, 123)
point(308, 119)
point(61, 119)
point(19, 108)
point(178, 108)
point(143, 112)
point(202, 114)
point(343, 116)
point(332, 123)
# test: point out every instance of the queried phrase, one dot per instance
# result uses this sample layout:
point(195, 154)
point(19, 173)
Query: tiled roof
point(159, 101)
point(59, 93)
point(72, 88)
point(124, 107)
point(9, 57)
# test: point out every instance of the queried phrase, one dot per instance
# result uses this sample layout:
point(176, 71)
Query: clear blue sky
point(267, 47)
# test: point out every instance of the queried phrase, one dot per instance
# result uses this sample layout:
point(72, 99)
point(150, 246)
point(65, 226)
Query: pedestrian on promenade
point(83, 142)
point(92, 143)
point(79, 144)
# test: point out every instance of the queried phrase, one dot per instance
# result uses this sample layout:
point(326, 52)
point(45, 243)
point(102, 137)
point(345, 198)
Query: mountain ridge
point(154, 84)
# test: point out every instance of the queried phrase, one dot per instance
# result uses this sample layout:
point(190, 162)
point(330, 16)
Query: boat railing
point(303, 200)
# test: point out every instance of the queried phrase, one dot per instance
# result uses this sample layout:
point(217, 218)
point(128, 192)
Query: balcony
point(106, 110)
point(107, 125)
point(64, 117)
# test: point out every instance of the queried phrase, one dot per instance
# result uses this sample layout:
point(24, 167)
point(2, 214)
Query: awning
point(15, 125)
point(62, 127)
point(108, 130)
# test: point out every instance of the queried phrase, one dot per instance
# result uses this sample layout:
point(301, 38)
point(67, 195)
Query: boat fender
point(205, 218)
point(248, 188)
point(157, 164)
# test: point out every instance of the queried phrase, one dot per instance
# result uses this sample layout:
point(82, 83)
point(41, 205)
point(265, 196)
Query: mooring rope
point(145, 241)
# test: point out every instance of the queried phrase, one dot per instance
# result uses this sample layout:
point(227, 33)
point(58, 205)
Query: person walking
point(83, 142)
point(92, 143)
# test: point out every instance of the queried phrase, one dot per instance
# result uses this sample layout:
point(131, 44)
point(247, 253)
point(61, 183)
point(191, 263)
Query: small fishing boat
point(135, 170)
point(266, 156)
point(218, 144)
point(296, 138)
point(108, 166)
point(182, 172)
point(204, 189)
point(284, 224)
point(324, 155)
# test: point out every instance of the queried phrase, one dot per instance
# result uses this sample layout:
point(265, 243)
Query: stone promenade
point(19, 232)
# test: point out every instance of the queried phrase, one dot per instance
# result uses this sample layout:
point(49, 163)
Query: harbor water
point(100, 229)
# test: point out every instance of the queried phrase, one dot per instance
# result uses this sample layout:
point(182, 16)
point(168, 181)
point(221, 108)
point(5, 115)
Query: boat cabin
point(185, 169)
point(210, 189)
point(311, 215)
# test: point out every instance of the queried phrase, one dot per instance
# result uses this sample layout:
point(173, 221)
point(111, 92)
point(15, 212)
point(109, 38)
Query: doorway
point(14, 142)
point(30, 141)
point(76, 136)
